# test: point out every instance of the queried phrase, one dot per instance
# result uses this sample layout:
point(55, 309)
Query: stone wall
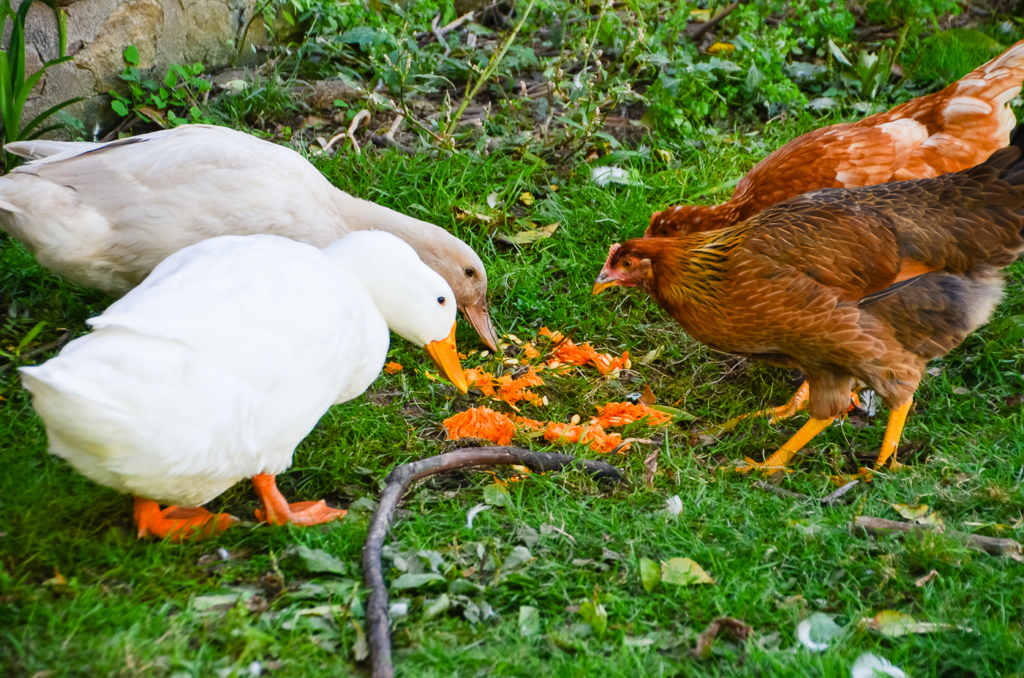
point(165, 32)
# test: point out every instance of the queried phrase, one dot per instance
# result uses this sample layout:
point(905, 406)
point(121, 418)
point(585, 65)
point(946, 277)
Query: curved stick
point(399, 480)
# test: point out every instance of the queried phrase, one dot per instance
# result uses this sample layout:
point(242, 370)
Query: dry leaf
point(652, 356)
point(684, 572)
point(526, 198)
point(734, 627)
point(651, 467)
point(894, 624)
point(701, 15)
point(960, 390)
point(925, 579)
point(721, 47)
point(911, 512)
point(531, 235)
point(648, 397)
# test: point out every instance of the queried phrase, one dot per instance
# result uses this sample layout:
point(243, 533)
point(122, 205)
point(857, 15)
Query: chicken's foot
point(796, 404)
point(781, 457)
point(277, 510)
point(180, 524)
point(891, 441)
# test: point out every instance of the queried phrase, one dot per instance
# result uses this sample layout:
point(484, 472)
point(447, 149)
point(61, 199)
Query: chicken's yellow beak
point(446, 357)
point(480, 319)
point(604, 281)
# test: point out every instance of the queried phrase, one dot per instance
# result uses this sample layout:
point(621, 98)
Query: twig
point(398, 482)
point(492, 66)
point(834, 497)
point(350, 133)
point(768, 487)
point(700, 30)
point(991, 545)
point(824, 501)
point(36, 351)
point(112, 134)
point(446, 29)
point(438, 35)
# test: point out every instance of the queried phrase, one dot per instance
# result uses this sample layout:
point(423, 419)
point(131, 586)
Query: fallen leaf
point(596, 616)
point(526, 198)
point(816, 631)
point(492, 200)
point(520, 556)
point(650, 574)
point(911, 512)
point(415, 581)
point(531, 235)
point(936, 371)
point(651, 467)
point(894, 624)
point(721, 47)
point(960, 390)
point(678, 416)
point(439, 606)
point(701, 15)
point(360, 650)
point(648, 397)
point(684, 572)
point(733, 627)
point(496, 494)
point(316, 560)
point(925, 579)
point(57, 579)
point(650, 357)
point(872, 666)
point(471, 514)
point(529, 621)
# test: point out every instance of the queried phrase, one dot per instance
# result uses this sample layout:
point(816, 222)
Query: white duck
point(222, 361)
point(103, 215)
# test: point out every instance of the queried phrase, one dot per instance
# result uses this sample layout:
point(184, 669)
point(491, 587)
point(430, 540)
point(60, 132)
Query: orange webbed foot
point(277, 510)
point(179, 524)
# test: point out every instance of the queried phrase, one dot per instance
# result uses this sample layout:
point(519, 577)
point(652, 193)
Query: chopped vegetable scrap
point(531, 424)
point(593, 435)
point(392, 368)
point(509, 390)
point(568, 353)
point(621, 414)
point(480, 422)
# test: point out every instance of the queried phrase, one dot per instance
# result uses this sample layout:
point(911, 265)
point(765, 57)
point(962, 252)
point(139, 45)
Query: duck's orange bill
point(447, 360)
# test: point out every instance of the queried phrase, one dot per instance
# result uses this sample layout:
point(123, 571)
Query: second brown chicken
point(850, 286)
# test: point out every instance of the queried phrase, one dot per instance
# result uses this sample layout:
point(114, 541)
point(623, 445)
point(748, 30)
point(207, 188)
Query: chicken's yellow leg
point(893, 431)
point(781, 457)
point(277, 510)
point(179, 524)
point(797, 403)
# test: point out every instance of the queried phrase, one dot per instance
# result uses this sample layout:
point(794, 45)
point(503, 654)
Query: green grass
point(129, 607)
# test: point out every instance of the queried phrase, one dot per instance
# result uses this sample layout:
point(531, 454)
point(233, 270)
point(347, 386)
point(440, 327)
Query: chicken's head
point(624, 267)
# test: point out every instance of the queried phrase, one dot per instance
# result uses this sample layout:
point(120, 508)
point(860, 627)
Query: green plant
point(15, 87)
point(151, 100)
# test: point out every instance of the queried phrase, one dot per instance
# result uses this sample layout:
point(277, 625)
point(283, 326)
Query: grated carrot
point(480, 422)
point(620, 414)
point(392, 368)
point(593, 435)
point(566, 352)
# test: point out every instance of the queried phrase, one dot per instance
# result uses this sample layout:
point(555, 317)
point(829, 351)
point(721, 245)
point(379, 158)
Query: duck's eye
point(470, 272)
point(627, 263)
point(440, 300)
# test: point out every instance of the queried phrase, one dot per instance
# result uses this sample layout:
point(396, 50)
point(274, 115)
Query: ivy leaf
point(596, 616)
point(131, 55)
point(816, 631)
point(529, 620)
point(684, 572)
point(650, 574)
point(497, 494)
point(894, 624)
point(316, 560)
point(415, 581)
point(437, 607)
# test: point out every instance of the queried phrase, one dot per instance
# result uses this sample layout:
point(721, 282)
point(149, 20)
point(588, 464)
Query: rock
point(164, 31)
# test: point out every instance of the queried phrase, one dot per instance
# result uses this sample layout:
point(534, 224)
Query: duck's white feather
point(104, 215)
point(212, 370)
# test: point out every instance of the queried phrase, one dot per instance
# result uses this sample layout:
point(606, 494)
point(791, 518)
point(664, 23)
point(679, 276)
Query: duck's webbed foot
point(277, 510)
point(180, 524)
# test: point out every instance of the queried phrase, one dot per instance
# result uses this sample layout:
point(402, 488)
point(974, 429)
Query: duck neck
point(363, 215)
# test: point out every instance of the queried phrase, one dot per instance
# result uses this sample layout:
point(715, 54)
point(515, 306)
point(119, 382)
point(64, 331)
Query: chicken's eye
point(627, 263)
point(470, 272)
point(440, 300)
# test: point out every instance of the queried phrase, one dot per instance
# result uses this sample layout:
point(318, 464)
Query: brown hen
point(850, 286)
point(948, 131)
